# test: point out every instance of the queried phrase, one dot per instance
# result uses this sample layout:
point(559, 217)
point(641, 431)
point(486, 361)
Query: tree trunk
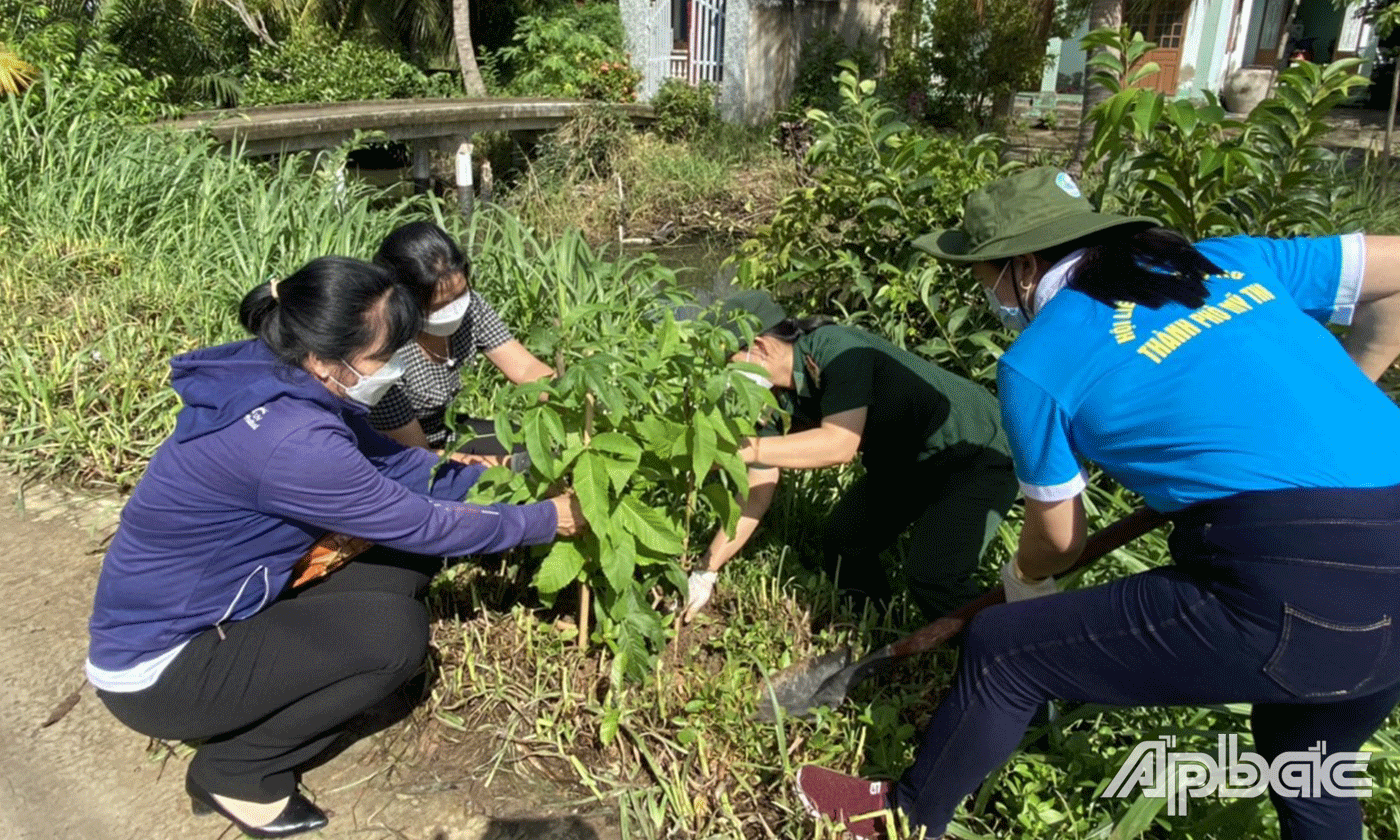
point(1390, 115)
point(466, 53)
point(252, 20)
point(1103, 14)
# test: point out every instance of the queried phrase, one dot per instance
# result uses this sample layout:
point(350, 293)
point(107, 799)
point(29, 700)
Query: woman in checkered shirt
point(459, 324)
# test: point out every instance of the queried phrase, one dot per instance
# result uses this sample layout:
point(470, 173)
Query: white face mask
point(446, 319)
point(757, 378)
point(368, 390)
point(1011, 317)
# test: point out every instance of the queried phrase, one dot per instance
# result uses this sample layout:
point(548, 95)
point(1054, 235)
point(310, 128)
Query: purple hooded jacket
point(263, 462)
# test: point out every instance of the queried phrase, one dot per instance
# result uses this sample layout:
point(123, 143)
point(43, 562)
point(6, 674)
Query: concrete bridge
point(277, 129)
point(446, 125)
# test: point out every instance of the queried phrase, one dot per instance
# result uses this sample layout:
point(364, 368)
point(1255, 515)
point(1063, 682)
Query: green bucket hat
point(753, 302)
point(1027, 212)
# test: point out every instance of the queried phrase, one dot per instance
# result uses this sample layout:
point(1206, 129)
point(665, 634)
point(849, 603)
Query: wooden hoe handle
point(1098, 544)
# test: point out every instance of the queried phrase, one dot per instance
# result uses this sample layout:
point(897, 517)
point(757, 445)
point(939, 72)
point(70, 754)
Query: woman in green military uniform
point(936, 461)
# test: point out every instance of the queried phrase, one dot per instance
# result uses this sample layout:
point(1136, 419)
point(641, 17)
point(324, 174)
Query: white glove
point(1018, 589)
point(702, 586)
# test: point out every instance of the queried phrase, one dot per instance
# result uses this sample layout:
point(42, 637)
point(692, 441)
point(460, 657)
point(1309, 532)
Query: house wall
point(1204, 56)
point(763, 45)
point(740, 41)
point(636, 15)
point(1241, 54)
point(634, 25)
point(1357, 38)
point(1335, 33)
point(1066, 73)
point(776, 33)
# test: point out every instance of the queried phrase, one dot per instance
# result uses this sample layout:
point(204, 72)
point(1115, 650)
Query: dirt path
point(86, 777)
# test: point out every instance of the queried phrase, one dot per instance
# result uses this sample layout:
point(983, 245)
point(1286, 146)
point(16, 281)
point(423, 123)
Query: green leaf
point(616, 444)
point(1138, 818)
point(723, 503)
point(591, 484)
point(541, 452)
point(619, 562)
point(609, 725)
point(560, 567)
point(622, 457)
point(702, 445)
point(649, 526)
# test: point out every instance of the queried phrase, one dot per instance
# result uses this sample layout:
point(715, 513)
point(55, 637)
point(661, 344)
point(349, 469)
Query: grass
point(680, 754)
point(122, 249)
point(724, 183)
point(119, 249)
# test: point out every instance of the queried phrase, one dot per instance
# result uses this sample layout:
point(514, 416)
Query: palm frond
point(16, 74)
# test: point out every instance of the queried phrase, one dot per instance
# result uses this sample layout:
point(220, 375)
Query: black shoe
point(297, 817)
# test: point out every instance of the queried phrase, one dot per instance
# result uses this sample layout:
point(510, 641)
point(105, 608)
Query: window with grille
point(1163, 22)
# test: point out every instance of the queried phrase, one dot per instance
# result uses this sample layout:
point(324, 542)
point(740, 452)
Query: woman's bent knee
point(390, 633)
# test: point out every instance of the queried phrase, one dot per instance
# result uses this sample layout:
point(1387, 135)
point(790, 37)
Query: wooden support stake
point(584, 594)
point(585, 609)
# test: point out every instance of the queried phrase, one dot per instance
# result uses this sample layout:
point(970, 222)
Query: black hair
point(422, 255)
point(1143, 264)
point(334, 307)
point(791, 329)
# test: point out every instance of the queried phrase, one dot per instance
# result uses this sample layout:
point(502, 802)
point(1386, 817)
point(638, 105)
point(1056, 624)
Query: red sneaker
point(859, 804)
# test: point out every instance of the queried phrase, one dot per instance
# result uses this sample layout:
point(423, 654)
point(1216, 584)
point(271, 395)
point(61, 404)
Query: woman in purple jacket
point(194, 632)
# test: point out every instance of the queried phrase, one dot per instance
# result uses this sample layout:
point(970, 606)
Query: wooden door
point(1164, 23)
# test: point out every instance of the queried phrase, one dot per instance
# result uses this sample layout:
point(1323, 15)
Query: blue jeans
point(1284, 599)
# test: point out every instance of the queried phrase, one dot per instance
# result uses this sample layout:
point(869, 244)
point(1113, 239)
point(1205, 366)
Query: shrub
point(817, 68)
point(951, 62)
point(75, 64)
point(684, 110)
point(202, 49)
point(644, 422)
point(587, 145)
point(611, 81)
point(843, 244)
point(1205, 174)
point(314, 65)
point(551, 56)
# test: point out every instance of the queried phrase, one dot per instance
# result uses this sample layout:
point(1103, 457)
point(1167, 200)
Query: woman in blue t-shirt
point(1199, 377)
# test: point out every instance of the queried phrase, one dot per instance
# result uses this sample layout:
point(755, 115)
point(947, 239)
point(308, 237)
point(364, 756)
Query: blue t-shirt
point(1248, 392)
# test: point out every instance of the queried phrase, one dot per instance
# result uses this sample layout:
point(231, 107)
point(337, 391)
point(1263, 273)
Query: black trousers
point(271, 693)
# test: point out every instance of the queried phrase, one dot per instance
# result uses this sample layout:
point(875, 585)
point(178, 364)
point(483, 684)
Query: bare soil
point(84, 776)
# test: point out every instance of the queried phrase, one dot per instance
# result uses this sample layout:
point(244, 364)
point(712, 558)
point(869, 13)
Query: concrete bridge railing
point(426, 124)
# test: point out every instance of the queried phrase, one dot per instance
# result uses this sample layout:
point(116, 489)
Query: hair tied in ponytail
point(272, 286)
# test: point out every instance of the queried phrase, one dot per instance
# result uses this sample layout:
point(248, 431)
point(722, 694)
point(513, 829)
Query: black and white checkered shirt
point(429, 385)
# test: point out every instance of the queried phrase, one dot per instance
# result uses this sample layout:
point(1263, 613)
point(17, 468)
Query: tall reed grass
point(122, 247)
